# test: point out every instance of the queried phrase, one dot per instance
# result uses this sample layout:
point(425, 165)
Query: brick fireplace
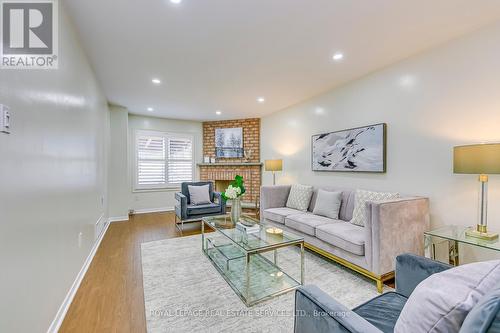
point(225, 169)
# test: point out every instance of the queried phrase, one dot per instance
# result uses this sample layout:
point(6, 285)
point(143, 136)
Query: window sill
point(163, 189)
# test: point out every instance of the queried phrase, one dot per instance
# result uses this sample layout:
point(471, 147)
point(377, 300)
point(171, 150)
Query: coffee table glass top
point(457, 233)
point(262, 239)
point(249, 260)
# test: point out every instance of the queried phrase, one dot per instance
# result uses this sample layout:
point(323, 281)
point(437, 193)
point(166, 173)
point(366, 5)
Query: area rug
point(183, 291)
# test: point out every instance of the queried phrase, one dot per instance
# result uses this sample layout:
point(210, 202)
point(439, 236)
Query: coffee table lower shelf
point(256, 281)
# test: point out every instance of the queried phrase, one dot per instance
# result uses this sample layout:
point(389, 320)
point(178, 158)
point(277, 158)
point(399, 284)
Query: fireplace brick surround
point(225, 169)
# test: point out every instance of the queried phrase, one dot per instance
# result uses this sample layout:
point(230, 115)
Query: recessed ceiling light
point(338, 56)
point(218, 112)
point(319, 111)
point(151, 109)
point(176, 2)
point(407, 81)
point(261, 99)
point(156, 81)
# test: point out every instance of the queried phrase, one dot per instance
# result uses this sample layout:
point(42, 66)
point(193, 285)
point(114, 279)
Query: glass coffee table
point(248, 261)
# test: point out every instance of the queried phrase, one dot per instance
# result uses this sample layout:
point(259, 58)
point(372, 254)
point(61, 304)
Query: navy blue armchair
point(317, 312)
point(186, 212)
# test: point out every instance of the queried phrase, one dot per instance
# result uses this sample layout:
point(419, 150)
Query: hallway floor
point(110, 298)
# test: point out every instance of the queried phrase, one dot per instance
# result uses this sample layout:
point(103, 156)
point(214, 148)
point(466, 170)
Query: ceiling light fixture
point(176, 2)
point(261, 100)
point(156, 81)
point(218, 112)
point(151, 109)
point(338, 56)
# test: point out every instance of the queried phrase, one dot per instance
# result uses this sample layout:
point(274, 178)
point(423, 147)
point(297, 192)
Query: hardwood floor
point(111, 297)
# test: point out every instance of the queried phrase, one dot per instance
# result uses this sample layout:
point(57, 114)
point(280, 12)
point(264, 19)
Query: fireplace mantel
point(229, 164)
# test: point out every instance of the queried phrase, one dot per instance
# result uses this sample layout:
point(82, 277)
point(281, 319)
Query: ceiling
point(222, 54)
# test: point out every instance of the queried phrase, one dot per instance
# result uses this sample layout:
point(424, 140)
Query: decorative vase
point(235, 210)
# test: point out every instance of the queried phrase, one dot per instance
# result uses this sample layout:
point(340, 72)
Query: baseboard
point(153, 210)
point(118, 219)
point(63, 309)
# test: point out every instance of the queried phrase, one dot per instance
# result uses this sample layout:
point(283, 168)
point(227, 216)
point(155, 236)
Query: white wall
point(119, 178)
point(160, 199)
point(52, 183)
point(431, 102)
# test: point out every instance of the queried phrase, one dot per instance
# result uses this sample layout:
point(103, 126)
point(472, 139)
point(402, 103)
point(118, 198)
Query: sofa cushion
point(307, 222)
point(346, 206)
point(485, 316)
point(382, 311)
point(279, 214)
point(441, 302)
point(210, 208)
point(360, 200)
point(328, 204)
point(299, 197)
point(344, 235)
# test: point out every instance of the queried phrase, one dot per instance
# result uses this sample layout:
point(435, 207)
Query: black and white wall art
point(229, 142)
point(361, 149)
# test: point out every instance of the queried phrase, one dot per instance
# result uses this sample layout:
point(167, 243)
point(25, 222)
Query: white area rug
point(184, 292)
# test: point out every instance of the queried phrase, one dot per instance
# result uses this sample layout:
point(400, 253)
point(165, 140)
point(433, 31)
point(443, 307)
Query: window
point(163, 159)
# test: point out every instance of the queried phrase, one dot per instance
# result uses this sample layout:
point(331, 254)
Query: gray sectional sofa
point(392, 228)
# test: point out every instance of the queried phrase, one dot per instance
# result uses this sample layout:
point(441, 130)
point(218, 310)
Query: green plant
point(236, 189)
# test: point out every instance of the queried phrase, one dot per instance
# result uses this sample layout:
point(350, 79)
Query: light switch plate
point(4, 119)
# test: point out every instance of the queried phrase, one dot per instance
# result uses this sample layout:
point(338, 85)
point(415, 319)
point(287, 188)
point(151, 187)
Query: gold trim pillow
point(361, 197)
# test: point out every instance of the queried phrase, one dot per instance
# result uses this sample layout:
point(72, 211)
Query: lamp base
point(490, 236)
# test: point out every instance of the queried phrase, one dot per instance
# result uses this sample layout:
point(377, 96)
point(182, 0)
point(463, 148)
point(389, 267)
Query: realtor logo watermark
point(29, 34)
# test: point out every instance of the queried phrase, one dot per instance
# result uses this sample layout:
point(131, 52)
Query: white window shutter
point(180, 160)
point(151, 161)
point(163, 160)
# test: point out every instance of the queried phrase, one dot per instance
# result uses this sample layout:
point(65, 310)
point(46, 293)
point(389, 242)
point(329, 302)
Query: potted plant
point(233, 193)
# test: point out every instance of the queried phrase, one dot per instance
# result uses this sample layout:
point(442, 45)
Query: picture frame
point(358, 149)
point(229, 142)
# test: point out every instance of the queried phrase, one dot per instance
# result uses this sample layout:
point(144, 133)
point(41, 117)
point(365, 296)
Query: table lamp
point(274, 165)
point(481, 159)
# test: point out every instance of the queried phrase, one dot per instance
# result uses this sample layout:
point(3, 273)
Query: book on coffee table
point(248, 229)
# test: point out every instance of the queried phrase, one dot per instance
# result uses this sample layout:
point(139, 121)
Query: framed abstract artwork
point(361, 149)
point(229, 142)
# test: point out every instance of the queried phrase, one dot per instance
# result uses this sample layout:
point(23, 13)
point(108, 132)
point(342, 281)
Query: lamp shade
point(274, 165)
point(477, 159)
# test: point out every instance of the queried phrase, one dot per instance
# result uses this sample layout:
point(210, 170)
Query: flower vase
point(235, 210)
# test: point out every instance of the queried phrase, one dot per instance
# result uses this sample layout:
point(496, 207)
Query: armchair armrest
point(220, 201)
point(181, 206)
point(393, 228)
point(317, 312)
point(273, 197)
point(412, 269)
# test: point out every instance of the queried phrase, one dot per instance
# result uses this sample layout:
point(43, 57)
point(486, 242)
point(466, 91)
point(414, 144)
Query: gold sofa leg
point(380, 286)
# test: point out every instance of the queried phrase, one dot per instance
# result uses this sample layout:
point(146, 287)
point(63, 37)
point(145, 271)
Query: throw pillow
point(485, 316)
point(441, 302)
point(361, 198)
point(299, 197)
point(199, 195)
point(328, 204)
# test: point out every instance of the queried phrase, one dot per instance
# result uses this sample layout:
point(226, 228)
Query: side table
point(454, 235)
